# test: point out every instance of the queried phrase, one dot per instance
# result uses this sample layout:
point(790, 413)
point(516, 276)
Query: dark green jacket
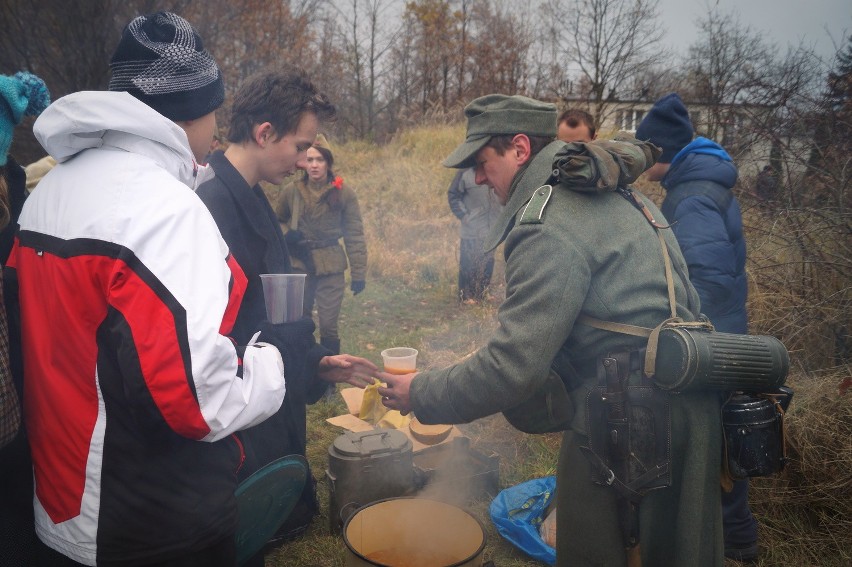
point(592, 253)
point(329, 220)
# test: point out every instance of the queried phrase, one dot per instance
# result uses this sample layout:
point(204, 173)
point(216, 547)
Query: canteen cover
point(265, 500)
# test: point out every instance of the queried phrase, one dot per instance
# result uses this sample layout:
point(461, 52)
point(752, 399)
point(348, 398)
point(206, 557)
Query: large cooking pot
point(413, 532)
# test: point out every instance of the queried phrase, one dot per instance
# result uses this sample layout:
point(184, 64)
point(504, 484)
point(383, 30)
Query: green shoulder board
point(534, 209)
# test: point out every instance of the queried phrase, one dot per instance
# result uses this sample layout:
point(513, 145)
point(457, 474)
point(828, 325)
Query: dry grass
point(805, 514)
point(403, 194)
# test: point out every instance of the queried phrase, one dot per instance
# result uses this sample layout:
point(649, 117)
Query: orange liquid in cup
point(399, 370)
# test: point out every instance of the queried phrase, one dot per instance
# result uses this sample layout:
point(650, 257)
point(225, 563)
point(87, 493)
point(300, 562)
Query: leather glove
point(293, 237)
point(293, 340)
point(357, 286)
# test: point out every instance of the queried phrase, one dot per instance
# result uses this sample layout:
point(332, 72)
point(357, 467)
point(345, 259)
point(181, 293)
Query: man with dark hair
point(577, 250)
point(698, 176)
point(575, 125)
point(127, 292)
point(274, 121)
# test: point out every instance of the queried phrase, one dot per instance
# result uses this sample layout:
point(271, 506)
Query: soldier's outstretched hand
point(395, 394)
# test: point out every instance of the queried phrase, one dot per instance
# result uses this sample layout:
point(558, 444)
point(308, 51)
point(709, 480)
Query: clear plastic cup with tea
point(400, 360)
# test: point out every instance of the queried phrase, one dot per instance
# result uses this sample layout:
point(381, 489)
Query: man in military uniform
point(574, 251)
point(477, 208)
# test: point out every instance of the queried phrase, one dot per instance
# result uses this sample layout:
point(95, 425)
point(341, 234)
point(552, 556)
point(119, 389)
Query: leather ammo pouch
point(629, 425)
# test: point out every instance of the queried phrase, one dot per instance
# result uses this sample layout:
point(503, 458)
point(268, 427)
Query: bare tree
point(831, 154)
point(799, 233)
point(499, 50)
point(605, 43)
point(367, 39)
point(433, 26)
point(68, 43)
point(724, 67)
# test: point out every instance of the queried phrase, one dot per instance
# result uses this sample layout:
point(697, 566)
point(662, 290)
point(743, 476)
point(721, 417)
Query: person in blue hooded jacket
point(698, 175)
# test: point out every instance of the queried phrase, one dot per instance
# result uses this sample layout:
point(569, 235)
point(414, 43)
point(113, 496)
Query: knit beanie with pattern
point(22, 94)
point(667, 125)
point(161, 60)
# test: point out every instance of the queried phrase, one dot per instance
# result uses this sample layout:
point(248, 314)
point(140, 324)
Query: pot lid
point(265, 500)
point(748, 409)
point(371, 443)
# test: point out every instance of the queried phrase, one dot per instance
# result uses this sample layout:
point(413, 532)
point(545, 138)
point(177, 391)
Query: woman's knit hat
point(22, 94)
point(161, 60)
point(667, 125)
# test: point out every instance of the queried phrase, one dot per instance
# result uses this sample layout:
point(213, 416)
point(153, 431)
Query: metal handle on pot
point(343, 511)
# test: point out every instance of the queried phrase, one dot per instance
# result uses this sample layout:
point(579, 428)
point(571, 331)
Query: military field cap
point(498, 115)
point(322, 142)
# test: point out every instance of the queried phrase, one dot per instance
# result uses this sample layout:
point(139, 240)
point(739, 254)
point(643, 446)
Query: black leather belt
point(314, 244)
point(588, 367)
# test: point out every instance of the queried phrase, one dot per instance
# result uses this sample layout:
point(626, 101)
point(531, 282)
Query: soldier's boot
point(334, 346)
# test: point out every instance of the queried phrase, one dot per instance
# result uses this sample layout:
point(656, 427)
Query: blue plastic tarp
point(518, 512)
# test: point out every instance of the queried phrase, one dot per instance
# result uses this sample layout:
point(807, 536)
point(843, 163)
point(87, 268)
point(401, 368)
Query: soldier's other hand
point(357, 286)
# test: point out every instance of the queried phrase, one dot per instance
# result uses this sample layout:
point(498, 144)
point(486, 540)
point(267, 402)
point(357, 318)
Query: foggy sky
point(783, 22)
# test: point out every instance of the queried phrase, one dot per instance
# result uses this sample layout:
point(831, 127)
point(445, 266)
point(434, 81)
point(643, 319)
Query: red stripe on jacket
point(62, 312)
point(236, 291)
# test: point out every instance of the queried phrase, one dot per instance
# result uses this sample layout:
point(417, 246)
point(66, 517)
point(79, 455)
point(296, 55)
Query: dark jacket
point(707, 223)
point(17, 539)
point(250, 229)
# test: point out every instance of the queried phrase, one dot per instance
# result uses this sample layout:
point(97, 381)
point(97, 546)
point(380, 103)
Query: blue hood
point(702, 159)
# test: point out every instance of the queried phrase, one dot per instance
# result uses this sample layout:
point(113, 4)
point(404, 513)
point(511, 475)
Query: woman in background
point(317, 211)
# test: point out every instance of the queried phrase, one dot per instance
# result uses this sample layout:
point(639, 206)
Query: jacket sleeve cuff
point(428, 393)
point(316, 387)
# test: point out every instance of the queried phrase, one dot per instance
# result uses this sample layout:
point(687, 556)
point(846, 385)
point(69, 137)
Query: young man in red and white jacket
point(128, 292)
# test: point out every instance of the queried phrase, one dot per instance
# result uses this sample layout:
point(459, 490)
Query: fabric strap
point(652, 335)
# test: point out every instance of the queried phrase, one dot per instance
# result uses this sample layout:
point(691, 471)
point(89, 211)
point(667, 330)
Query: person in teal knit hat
point(21, 94)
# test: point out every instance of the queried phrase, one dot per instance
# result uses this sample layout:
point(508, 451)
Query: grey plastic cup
point(284, 295)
